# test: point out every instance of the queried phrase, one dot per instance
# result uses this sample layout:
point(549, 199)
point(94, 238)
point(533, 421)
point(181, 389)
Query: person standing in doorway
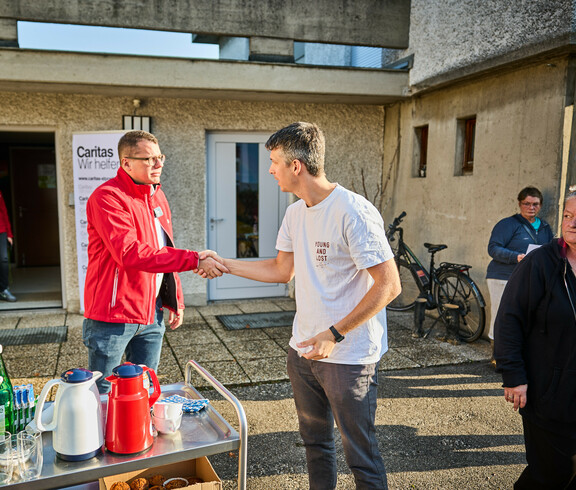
point(6, 240)
point(132, 262)
point(333, 241)
point(509, 243)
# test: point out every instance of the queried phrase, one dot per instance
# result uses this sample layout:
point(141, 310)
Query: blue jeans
point(324, 392)
point(107, 342)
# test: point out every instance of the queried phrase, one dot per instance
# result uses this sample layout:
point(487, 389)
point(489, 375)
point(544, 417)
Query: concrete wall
point(448, 36)
point(518, 143)
point(353, 133)
point(370, 22)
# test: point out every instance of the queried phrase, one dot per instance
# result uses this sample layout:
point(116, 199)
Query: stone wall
point(519, 121)
point(463, 36)
point(353, 134)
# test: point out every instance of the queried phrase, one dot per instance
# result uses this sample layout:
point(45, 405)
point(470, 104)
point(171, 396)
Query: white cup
point(167, 410)
point(167, 426)
point(167, 417)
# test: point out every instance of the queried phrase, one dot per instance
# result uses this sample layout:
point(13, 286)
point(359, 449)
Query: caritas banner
point(95, 160)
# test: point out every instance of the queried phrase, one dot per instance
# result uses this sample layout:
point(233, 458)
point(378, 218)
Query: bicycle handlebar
point(397, 221)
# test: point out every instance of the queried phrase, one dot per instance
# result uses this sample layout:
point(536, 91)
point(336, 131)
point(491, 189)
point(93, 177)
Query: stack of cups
point(167, 417)
point(21, 456)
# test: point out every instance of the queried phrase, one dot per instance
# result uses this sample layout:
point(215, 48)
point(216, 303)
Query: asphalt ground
point(442, 427)
point(442, 420)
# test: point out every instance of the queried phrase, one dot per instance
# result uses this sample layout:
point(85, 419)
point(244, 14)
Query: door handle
point(216, 220)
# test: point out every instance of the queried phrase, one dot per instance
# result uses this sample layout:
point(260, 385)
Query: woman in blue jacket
point(509, 242)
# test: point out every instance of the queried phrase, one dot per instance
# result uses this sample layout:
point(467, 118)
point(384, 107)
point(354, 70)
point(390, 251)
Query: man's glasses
point(530, 204)
point(150, 161)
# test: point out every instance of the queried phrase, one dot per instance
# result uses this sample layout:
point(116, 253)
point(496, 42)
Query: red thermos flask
point(128, 424)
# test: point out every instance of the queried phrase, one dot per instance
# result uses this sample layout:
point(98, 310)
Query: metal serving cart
point(201, 434)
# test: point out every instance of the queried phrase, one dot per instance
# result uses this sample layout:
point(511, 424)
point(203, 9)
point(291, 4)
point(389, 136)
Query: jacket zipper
point(153, 290)
point(115, 288)
point(568, 289)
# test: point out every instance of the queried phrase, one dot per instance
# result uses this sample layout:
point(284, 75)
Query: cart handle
point(243, 450)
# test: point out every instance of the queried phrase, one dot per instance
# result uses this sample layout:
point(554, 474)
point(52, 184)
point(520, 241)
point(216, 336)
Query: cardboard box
point(200, 467)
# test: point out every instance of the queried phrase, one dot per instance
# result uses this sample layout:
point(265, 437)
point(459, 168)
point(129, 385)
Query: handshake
point(210, 265)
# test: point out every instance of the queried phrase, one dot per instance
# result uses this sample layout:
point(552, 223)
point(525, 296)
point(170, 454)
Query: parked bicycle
point(447, 288)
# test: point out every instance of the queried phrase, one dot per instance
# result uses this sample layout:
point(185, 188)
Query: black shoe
point(6, 295)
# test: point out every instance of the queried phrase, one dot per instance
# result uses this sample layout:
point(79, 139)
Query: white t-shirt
point(334, 243)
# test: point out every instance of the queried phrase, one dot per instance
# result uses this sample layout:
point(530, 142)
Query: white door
point(245, 210)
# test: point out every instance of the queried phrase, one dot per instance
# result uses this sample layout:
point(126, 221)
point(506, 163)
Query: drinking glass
point(30, 455)
point(6, 458)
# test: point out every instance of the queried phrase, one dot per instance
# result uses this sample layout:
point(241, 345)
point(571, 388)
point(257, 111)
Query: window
point(247, 199)
point(421, 150)
point(465, 142)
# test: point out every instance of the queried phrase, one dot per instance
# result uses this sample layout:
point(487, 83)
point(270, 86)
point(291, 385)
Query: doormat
point(257, 320)
point(35, 335)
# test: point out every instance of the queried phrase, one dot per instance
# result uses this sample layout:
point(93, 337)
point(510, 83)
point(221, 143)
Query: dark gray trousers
point(346, 393)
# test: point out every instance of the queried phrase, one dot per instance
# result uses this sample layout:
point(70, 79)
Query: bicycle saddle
point(432, 248)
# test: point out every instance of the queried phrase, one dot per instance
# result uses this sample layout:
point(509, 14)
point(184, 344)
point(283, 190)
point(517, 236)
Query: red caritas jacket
point(123, 254)
point(4, 220)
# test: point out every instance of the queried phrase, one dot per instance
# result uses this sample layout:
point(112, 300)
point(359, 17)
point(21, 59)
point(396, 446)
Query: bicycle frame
point(405, 254)
point(447, 287)
point(407, 257)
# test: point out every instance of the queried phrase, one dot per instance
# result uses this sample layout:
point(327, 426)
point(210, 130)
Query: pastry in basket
point(120, 485)
point(175, 483)
point(139, 484)
point(193, 480)
point(157, 487)
point(156, 480)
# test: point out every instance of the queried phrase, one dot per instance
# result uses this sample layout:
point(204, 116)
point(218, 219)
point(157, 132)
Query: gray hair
point(301, 141)
point(571, 193)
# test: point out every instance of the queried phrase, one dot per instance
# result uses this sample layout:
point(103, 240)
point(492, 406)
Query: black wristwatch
point(338, 337)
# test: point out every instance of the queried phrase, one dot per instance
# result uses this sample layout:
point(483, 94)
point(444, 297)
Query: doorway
point(245, 210)
point(28, 185)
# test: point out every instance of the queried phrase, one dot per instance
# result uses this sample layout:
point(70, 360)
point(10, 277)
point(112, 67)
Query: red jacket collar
point(133, 187)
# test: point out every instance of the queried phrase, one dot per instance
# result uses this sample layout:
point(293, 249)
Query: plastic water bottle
point(31, 403)
point(17, 408)
point(6, 399)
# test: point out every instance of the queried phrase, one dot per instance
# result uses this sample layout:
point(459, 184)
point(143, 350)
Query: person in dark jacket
point(6, 238)
point(509, 243)
point(535, 351)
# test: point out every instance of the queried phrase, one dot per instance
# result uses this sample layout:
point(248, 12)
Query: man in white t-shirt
point(333, 241)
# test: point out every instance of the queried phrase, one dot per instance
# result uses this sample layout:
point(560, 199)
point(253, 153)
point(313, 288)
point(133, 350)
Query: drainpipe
point(568, 167)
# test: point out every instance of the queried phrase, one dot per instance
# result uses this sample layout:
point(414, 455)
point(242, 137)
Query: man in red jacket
point(132, 262)
point(6, 238)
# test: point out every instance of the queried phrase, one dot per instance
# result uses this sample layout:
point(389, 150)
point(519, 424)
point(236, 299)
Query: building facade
point(474, 101)
point(490, 112)
point(211, 118)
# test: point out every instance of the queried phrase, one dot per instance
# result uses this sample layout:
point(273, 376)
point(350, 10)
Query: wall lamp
point(137, 122)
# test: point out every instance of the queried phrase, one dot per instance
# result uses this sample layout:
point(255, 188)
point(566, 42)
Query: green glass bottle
point(6, 399)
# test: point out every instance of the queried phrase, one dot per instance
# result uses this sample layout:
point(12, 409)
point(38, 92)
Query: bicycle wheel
point(454, 287)
point(410, 291)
